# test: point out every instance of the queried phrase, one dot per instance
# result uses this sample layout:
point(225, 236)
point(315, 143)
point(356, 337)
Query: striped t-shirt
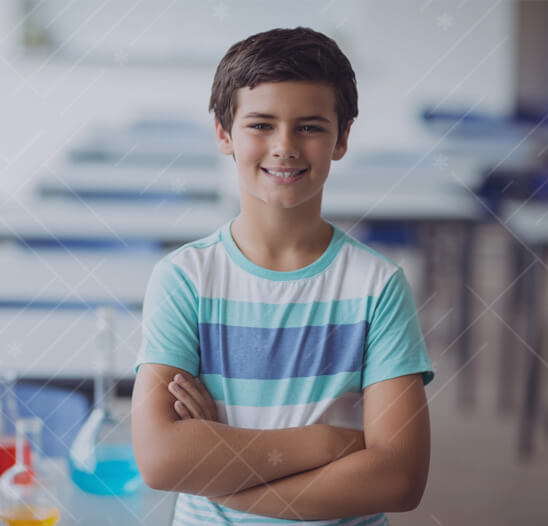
point(281, 349)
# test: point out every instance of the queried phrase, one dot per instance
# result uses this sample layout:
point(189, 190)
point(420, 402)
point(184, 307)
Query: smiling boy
point(311, 404)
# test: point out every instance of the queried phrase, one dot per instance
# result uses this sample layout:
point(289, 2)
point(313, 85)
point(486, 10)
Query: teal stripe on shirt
point(266, 393)
point(269, 315)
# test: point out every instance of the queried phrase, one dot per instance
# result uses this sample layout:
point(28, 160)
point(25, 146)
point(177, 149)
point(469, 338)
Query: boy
point(311, 405)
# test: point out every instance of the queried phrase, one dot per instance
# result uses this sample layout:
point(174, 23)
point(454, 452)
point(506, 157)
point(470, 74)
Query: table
point(57, 277)
point(529, 223)
point(415, 192)
point(136, 181)
point(32, 336)
point(146, 507)
point(61, 219)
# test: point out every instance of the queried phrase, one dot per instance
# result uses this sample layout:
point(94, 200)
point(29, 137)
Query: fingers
point(194, 396)
point(186, 399)
point(181, 410)
point(212, 408)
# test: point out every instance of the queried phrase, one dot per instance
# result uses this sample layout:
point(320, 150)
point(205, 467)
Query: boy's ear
point(342, 145)
point(224, 141)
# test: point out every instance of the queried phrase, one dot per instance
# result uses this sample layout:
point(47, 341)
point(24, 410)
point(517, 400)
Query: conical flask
point(101, 458)
point(26, 496)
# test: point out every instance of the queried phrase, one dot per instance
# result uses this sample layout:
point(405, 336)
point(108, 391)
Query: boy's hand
point(192, 399)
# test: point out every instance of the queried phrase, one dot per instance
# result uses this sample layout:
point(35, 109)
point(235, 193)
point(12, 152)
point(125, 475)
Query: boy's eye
point(309, 128)
point(306, 128)
point(259, 126)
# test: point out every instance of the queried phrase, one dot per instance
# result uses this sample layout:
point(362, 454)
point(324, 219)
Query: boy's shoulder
point(192, 252)
point(365, 254)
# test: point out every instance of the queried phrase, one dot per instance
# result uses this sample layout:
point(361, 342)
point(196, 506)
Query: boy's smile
point(283, 138)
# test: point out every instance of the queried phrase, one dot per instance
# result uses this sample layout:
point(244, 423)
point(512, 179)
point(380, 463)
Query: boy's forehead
point(298, 98)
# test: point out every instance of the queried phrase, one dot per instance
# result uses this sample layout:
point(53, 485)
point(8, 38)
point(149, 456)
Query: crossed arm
point(390, 475)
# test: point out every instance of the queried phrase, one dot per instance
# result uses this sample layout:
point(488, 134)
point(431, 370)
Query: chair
point(62, 411)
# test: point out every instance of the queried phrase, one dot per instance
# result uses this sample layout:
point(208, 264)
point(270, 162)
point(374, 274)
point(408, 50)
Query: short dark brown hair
point(284, 54)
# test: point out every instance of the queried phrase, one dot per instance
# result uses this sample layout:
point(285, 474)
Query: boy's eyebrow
point(256, 115)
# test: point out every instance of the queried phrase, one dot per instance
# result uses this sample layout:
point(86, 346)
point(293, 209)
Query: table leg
point(513, 305)
point(536, 288)
point(466, 395)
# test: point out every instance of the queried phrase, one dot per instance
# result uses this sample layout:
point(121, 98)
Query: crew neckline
point(317, 266)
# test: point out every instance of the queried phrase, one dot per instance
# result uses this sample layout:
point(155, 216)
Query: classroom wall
point(405, 53)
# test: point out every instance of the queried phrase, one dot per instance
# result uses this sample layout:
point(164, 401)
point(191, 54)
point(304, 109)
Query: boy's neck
point(281, 239)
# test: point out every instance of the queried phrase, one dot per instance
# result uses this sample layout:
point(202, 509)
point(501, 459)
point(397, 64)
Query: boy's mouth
point(283, 173)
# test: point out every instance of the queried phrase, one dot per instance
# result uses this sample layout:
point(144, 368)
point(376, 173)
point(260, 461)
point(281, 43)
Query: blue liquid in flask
point(115, 472)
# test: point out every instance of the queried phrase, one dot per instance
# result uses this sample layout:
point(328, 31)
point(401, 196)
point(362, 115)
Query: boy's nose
point(284, 147)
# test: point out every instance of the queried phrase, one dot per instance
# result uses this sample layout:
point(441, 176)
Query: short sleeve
point(170, 320)
point(394, 343)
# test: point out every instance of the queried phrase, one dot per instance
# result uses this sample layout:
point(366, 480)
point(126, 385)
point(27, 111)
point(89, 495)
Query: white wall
point(405, 53)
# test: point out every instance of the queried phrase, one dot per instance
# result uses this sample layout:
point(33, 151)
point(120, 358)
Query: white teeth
point(283, 174)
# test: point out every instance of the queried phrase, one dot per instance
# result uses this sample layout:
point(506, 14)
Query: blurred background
point(108, 161)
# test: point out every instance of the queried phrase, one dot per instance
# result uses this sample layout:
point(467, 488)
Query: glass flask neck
point(104, 384)
point(28, 431)
point(8, 404)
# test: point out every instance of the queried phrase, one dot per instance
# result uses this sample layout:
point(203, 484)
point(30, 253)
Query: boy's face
point(288, 126)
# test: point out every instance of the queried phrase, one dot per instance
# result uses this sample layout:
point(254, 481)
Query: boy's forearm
point(220, 459)
point(365, 482)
